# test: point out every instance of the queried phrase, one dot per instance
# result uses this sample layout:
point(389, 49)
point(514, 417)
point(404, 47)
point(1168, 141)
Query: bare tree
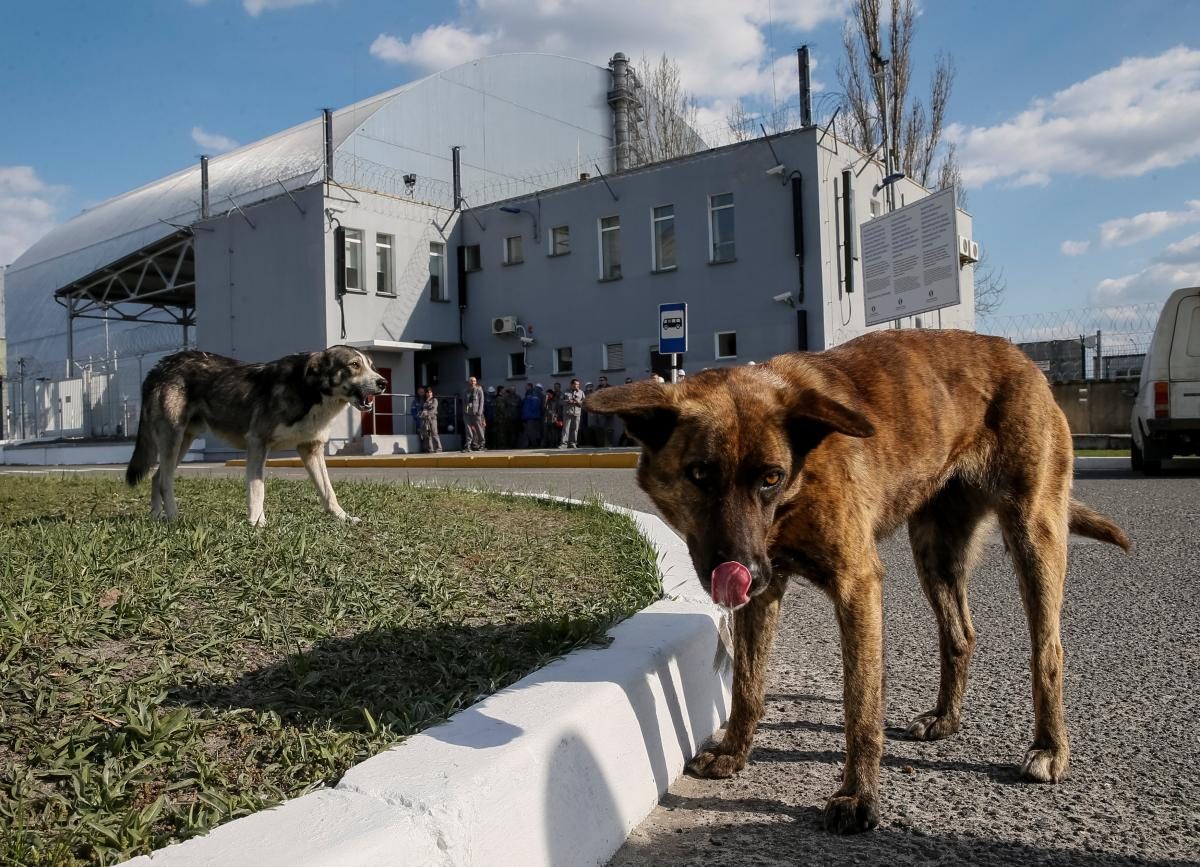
point(990, 285)
point(950, 175)
point(740, 122)
point(914, 132)
point(666, 125)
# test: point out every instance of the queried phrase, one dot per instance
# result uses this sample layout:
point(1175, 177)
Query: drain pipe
point(327, 123)
point(204, 211)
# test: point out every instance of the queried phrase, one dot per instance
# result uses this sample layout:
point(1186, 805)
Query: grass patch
point(157, 680)
point(1101, 453)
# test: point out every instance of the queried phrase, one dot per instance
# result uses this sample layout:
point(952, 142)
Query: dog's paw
point(932, 726)
point(260, 521)
point(1045, 765)
point(851, 814)
point(716, 765)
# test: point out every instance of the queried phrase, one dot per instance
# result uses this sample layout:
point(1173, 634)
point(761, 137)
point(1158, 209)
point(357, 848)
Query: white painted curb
point(556, 769)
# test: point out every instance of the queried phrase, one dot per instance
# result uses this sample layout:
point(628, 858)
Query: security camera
point(526, 341)
point(776, 171)
point(783, 297)
point(332, 209)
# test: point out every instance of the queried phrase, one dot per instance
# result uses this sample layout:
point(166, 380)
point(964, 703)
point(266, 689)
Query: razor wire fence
point(101, 399)
point(1108, 343)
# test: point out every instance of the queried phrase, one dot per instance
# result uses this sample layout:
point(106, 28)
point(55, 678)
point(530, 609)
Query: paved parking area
point(1131, 628)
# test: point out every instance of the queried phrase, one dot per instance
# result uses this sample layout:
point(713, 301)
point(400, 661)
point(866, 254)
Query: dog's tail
point(1090, 523)
point(143, 451)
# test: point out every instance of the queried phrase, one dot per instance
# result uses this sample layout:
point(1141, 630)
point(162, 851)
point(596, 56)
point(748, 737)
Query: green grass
point(159, 679)
point(1101, 453)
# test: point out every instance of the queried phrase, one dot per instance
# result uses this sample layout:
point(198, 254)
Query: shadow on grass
point(407, 678)
point(414, 677)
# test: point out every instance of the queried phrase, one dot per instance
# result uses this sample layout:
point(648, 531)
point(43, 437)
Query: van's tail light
point(1162, 400)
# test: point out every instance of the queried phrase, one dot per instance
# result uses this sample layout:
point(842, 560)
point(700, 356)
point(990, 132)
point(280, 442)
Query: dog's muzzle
point(364, 396)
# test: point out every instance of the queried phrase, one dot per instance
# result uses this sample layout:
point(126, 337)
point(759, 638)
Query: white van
point(1166, 415)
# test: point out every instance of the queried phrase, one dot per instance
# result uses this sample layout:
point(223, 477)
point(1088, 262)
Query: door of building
point(660, 364)
point(379, 421)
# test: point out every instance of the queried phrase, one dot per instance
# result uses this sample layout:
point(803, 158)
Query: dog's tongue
point(731, 584)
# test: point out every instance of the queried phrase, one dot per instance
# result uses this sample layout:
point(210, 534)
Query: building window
point(720, 224)
point(516, 365)
point(662, 225)
point(614, 356)
point(726, 344)
point(429, 374)
point(437, 272)
point(514, 252)
point(564, 360)
point(475, 368)
point(354, 239)
point(610, 248)
point(383, 264)
point(560, 240)
point(471, 260)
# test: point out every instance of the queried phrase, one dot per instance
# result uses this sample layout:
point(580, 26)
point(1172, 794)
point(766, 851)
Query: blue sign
point(672, 328)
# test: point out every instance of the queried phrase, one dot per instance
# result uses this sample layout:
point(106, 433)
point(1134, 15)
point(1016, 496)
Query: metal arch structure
point(154, 284)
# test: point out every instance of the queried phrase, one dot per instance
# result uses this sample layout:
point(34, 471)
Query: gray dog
point(282, 404)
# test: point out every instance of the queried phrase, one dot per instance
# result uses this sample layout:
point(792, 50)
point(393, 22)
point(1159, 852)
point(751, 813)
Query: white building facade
point(410, 223)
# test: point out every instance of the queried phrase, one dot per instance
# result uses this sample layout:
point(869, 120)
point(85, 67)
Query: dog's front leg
point(256, 462)
point(858, 603)
point(331, 502)
point(753, 632)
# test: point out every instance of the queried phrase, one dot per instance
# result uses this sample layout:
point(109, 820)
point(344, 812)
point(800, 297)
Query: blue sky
point(1078, 123)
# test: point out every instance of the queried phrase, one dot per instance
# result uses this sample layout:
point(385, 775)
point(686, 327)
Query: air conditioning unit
point(504, 325)
point(968, 250)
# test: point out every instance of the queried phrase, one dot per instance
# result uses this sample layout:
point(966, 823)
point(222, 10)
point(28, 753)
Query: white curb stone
point(556, 769)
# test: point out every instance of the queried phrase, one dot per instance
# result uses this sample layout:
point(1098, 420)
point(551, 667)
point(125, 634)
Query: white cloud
point(1136, 117)
point(1129, 230)
point(1176, 266)
point(212, 141)
point(258, 7)
point(435, 48)
point(721, 47)
point(1075, 248)
point(27, 209)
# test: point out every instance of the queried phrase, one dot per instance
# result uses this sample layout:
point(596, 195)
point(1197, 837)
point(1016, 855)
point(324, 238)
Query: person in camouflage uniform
point(430, 439)
point(508, 418)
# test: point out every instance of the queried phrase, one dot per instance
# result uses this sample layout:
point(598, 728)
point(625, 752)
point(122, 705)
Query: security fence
point(1107, 343)
point(101, 401)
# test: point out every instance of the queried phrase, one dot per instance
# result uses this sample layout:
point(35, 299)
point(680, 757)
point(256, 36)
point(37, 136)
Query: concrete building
point(439, 224)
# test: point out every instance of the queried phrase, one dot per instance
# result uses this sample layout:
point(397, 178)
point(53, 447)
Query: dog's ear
point(814, 415)
point(646, 407)
point(316, 369)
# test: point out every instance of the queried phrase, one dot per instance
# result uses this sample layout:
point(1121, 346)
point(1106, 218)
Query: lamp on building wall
point(511, 209)
point(888, 181)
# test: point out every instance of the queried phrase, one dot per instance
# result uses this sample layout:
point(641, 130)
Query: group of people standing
point(540, 418)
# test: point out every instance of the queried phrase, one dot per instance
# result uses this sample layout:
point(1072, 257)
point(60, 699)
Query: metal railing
point(392, 414)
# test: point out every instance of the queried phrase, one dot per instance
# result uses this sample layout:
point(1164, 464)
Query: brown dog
point(798, 466)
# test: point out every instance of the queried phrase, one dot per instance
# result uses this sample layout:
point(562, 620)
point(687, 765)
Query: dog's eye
point(773, 479)
point(698, 473)
point(355, 364)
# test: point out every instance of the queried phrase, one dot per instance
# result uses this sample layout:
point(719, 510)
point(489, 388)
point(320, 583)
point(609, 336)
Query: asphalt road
point(1131, 629)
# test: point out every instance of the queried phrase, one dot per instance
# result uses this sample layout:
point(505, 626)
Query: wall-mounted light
point(888, 181)
point(511, 209)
